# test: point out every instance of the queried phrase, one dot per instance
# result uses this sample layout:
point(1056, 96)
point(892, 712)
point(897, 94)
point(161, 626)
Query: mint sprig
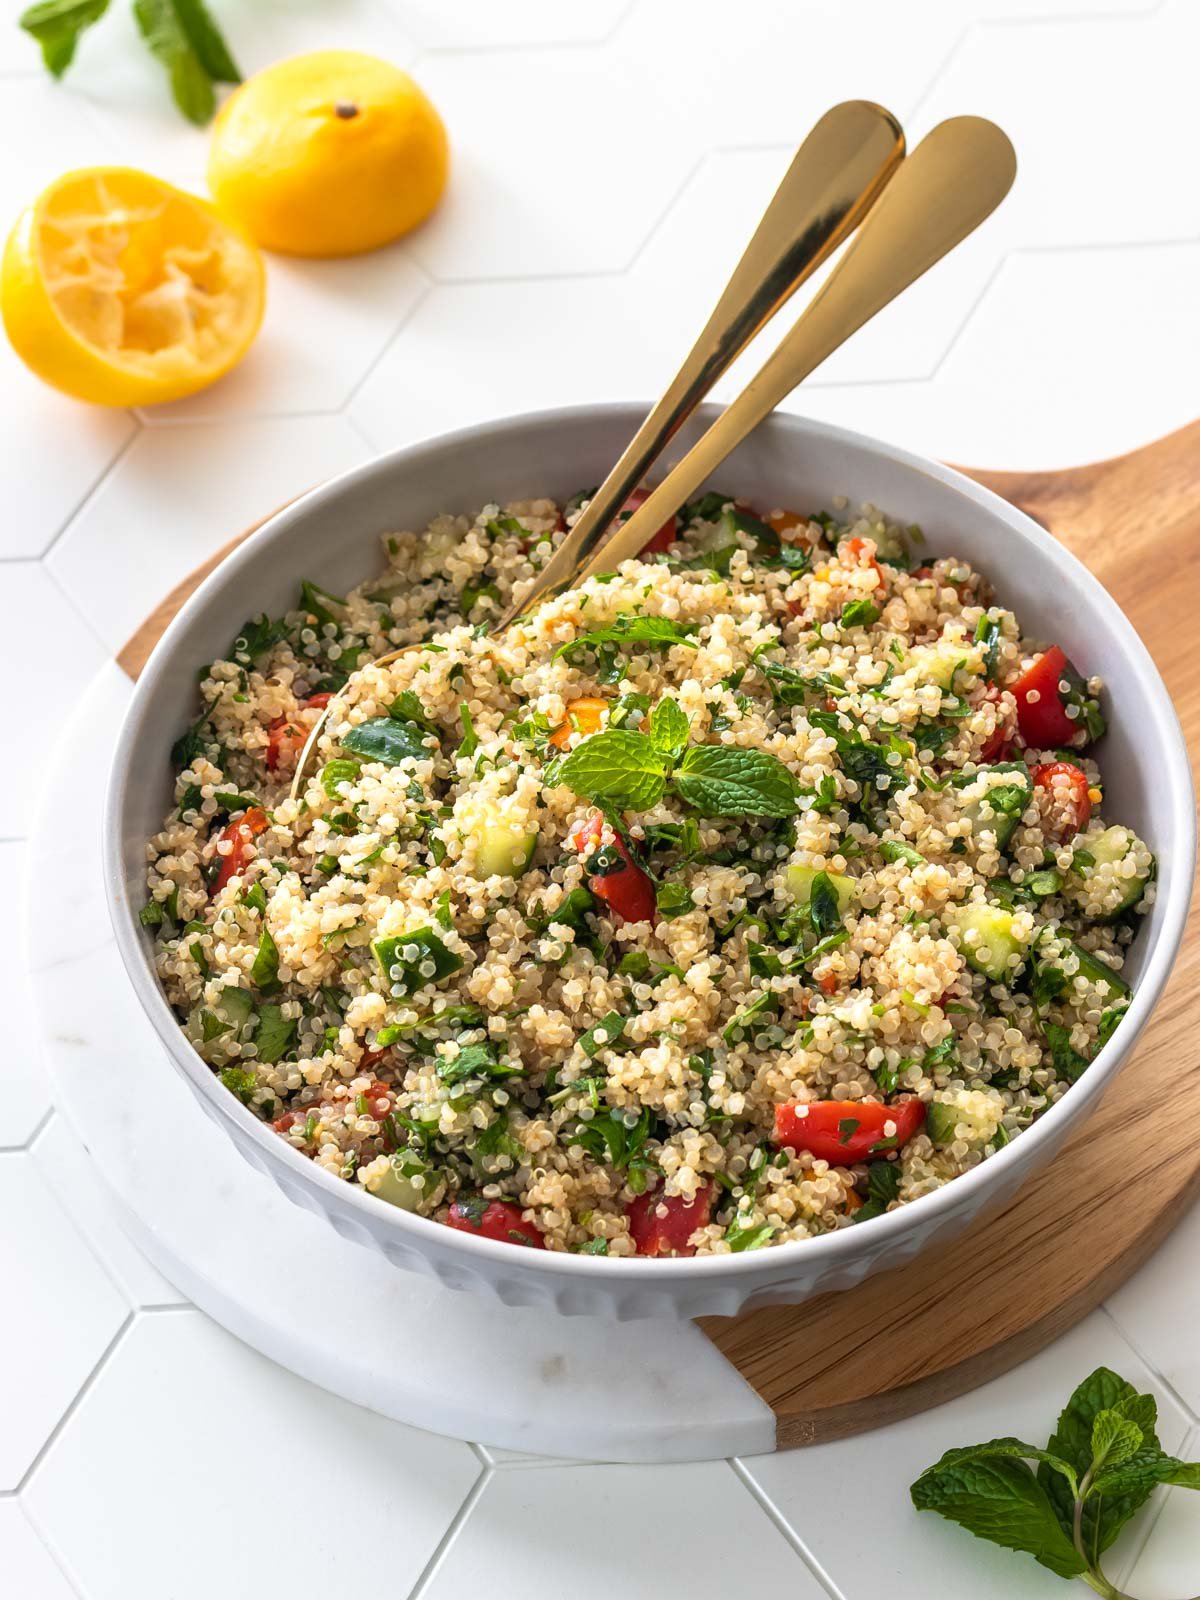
point(181, 34)
point(631, 771)
point(1097, 1470)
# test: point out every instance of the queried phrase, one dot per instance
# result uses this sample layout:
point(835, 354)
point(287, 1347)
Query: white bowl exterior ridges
point(331, 536)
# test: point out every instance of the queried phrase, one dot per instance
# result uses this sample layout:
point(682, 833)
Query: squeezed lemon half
point(120, 289)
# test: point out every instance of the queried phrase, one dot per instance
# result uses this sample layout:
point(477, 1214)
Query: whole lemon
point(328, 154)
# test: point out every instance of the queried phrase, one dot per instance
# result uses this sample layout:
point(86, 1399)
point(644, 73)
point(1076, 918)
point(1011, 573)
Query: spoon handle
point(834, 179)
point(952, 181)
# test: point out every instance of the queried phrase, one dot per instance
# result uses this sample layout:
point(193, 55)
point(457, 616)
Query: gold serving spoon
point(834, 179)
point(952, 181)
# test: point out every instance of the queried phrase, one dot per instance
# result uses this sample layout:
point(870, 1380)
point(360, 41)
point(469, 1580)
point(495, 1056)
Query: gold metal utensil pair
point(851, 172)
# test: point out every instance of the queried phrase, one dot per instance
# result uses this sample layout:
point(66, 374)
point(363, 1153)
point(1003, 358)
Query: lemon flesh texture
point(122, 290)
point(329, 154)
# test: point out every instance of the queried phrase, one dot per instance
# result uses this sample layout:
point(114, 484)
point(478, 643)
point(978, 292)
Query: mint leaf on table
point(989, 1490)
point(182, 35)
point(57, 25)
point(1100, 1465)
point(669, 730)
point(1103, 1518)
point(617, 768)
point(205, 39)
point(1114, 1439)
point(723, 780)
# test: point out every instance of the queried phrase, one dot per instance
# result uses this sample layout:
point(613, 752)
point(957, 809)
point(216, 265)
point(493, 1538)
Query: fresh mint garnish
point(1098, 1469)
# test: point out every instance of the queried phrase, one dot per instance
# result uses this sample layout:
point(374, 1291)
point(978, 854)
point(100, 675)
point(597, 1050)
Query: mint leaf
point(669, 730)
point(265, 971)
point(727, 781)
point(1103, 1516)
point(273, 1034)
point(167, 39)
point(1114, 1439)
point(388, 740)
point(616, 768)
point(1142, 1471)
point(739, 1237)
point(206, 41)
point(991, 1492)
point(57, 25)
point(402, 958)
point(660, 632)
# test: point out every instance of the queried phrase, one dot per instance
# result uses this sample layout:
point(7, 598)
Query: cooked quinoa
point(731, 898)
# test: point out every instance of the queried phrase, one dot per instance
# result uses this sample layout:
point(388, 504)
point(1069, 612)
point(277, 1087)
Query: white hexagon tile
point(158, 1484)
point(178, 494)
point(62, 1314)
point(609, 161)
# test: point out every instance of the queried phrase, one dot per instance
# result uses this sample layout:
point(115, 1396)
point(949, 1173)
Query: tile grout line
point(431, 283)
point(93, 488)
point(52, 1554)
point(106, 1271)
point(1151, 1523)
point(767, 1506)
point(1191, 1416)
point(77, 1399)
point(457, 1522)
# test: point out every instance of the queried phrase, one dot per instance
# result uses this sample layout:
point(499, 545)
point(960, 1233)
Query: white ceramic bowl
point(331, 536)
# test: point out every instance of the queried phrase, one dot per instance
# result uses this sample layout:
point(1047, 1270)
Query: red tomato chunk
point(240, 835)
point(1041, 711)
point(627, 891)
point(843, 1132)
point(1071, 789)
point(494, 1219)
point(668, 1234)
point(658, 541)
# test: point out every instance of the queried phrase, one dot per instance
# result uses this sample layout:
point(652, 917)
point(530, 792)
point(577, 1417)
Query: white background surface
point(610, 159)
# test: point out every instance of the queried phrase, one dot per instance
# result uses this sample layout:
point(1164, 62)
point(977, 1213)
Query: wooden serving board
point(904, 1341)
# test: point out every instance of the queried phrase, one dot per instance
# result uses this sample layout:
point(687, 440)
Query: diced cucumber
point(1050, 978)
point(994, 944)
point(1097, 972)
point(234, 1005)
point(1005, 801)
point(937, 663)
point(799, 882)
point(504, 849)
point(943, 1119)
point(397, 1186)
point(1106, 848)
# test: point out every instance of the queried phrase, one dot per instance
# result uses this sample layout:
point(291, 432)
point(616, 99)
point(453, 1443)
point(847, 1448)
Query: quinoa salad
point(742, 894)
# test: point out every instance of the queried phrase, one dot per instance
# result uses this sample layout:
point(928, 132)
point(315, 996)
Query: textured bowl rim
point(1168, 915)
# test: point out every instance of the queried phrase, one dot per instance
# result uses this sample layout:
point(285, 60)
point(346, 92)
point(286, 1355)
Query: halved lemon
point(120, 289)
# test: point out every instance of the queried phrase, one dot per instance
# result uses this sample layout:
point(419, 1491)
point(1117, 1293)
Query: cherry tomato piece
point(626, 890)
point(583, 716)
point(240, 835)
point(845, 1131)
point(787, 524)
point(998, 745)
point(1041, 715)
point(856, 551)
point(1070, 787)
point(665, 535)
point(320, 700)
point(285, 740)
point(378, 1097)
point(494, 1219)
point(668, 1234)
